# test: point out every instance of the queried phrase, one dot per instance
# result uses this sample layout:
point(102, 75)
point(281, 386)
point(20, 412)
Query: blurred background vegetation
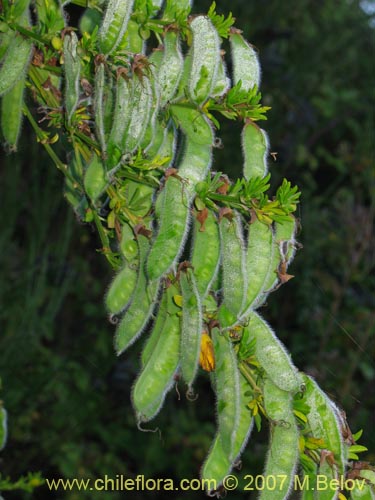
point(68, 395)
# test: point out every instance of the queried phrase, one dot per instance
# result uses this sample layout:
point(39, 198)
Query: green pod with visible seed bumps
point(255, 149)
point(157, 328)
point(191, 327)
point(205, 58)
point(177, 196)
point(282, 457)
point(11, 114)
point(233, 260)
point(227, 389)
point(157, 376)
point(142, 304)
point(259, 253)
point(142, 100)
point(272, 355)
point(114, 24)
point(246, 67)
point(121, 290)
point(95, 181)
point(171, 67)
point(128, 245)
point(324, 422)
point(15, 62)
point(121, 117)
point(72, 68)
point(205, 257)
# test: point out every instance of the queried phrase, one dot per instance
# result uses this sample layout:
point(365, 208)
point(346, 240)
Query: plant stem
point(246, 372)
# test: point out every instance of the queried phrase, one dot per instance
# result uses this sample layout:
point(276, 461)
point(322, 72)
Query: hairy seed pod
point(121, 290)
point(171, 67)
point(216, 466)
point(205, 257)
point(227, 389)
point(121, 117)
point(177, 198)
point(128, 245)
point(156, 330)
point(222, 82)
point(255, 147)
point(205, 58)
point(95, 180)
point(272, 355)
point(233, 265)
point(259, 253)
point(72, 68)
point(99, 105)
point(282, 457)
point(246, 67)
point(157, 376)
point(246, 421)
point(282, 255)
point(323, 421)
point(15, 62)
point(114, 24)
point(191, 327)
point(143, 301)
point(11, 114)
point(330, 473)
point(140, 113)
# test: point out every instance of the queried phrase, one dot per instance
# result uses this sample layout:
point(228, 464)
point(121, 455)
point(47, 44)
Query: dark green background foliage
point(68, 395)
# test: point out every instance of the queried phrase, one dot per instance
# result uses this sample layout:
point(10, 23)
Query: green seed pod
point(282, 255)
point(157, 376)
point(216, 466)
point(3, 428)
point(227, 389)
point(142, 100)
point(191, 327)
point(171, 67)
point(282, 458)
point(259, 253)
point(272, 355)
point(15, 63)
point(205, 257)
point(330, 472)
point(157, 328)
point(121, 117)
point(114, 24)
point(193, 124)
point(95, 180)
point(255, 149)
point(11, 114)
point(72, 68)
point(246, 421)
point(233, 260)
point(128, 245)
point(222, 83)
point(99, 105)
point(143, 301)
point(121, 290)
point(324, 422)
point(177, 196)
point(205, 58)
point(183, 87)
point(246, 65)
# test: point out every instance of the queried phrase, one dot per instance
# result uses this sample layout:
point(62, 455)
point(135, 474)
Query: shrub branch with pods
point(137, 96)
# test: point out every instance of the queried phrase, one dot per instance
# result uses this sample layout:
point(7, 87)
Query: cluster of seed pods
point(192, 276)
